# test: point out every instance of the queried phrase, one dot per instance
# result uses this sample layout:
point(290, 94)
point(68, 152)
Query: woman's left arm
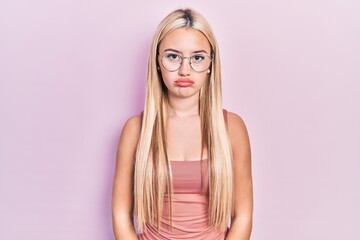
point(241, 222)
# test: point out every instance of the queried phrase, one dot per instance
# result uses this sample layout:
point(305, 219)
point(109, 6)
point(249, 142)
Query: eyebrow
point(174, 50)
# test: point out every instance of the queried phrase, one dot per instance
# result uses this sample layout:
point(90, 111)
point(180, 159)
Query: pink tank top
point(190, 206)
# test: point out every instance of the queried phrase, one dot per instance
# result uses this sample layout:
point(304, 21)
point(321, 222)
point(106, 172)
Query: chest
point(183, 138)
point(190, 176)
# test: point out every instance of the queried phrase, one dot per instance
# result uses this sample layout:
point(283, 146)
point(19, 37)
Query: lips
point(184, 82)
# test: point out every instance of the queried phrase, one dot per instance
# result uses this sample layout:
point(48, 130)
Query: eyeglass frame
point(182, 60)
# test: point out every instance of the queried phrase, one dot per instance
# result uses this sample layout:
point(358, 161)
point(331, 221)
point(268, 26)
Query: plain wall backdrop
point(72, 72)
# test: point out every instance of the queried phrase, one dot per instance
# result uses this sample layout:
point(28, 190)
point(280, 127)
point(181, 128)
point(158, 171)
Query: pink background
point(72, 72)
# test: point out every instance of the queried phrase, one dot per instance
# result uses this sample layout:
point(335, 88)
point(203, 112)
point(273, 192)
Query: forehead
point(185, 40)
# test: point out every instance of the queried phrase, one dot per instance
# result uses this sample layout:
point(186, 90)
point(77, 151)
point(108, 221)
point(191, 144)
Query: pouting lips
point(184, 82)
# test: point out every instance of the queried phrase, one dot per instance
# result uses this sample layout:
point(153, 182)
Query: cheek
point(203, 78)
point(167, 77)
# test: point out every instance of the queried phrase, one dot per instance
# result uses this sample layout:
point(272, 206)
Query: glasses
point(199, 62)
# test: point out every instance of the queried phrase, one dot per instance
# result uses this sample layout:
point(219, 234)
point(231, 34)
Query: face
point(191, 45)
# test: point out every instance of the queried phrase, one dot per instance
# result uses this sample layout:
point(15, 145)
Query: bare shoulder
point(237, 132)
point(132, 127)
point(236, 124)
point(129, 137)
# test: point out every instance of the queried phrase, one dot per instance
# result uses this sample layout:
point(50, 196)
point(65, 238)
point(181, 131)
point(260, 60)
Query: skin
point(184, 141)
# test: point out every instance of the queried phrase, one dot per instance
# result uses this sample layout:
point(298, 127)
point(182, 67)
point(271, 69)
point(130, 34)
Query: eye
point(198, 58)
point(173, 57)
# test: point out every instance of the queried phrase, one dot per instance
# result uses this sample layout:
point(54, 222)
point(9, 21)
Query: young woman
point(183, 165)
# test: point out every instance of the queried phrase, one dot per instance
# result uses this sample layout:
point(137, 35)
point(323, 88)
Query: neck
point(183, 107)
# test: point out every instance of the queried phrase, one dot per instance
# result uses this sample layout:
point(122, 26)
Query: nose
point(185, 67)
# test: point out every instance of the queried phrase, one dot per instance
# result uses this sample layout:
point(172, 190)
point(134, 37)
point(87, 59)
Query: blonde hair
point(152, 176)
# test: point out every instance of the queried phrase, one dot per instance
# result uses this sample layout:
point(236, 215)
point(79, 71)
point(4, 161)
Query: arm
point(241, 222)
point(122, 197)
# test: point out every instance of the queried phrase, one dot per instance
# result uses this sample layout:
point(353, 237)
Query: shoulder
point(133, 123)
point(235, 122)
point(237, 129)
point(131, 130)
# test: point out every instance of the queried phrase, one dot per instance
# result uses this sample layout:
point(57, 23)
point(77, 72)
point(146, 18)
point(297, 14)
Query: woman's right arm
point(123, 194)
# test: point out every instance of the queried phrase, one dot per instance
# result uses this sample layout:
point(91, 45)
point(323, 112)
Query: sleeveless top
point(190, 202)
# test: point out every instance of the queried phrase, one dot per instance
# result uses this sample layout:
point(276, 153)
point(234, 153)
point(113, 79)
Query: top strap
point(225, 116)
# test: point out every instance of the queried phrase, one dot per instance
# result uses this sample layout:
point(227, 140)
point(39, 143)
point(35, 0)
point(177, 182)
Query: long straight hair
point(152, 176)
